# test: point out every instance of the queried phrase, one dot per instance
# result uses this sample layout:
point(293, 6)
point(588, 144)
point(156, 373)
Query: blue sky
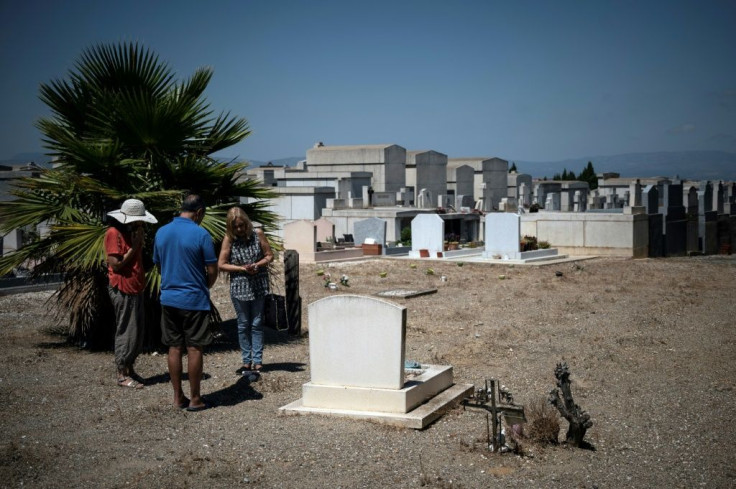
point(522, 80)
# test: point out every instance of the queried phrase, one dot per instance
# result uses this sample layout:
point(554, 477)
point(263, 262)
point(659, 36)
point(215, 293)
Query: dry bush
point(543, 424)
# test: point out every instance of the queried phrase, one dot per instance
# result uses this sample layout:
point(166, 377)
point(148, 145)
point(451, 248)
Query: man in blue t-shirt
point(186, 256)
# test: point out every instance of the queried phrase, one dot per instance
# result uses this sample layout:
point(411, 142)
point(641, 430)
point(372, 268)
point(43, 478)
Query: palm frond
point(225, 132)
point(83, 245)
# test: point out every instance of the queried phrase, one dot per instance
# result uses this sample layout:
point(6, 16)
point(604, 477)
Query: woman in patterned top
point(245, 254)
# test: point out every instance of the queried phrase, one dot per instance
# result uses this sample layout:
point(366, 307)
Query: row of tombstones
point(705, 225)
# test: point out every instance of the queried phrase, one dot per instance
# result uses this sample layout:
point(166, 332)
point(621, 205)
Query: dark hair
point(192, 203)
point(114, 223)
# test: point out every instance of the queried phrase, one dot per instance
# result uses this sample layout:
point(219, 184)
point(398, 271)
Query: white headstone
point(357, 341)
point(503, 231)
point(427, 233)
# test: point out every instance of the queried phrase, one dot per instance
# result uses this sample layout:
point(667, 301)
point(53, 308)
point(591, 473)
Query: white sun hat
point(133, 210)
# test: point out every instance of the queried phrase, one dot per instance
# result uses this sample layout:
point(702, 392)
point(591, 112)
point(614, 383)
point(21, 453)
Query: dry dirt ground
point(650, 344)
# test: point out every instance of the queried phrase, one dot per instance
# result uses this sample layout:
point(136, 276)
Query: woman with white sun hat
point(124, 249)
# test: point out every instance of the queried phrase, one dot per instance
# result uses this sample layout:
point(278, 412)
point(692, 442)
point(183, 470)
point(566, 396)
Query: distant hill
point(688, 165)
point(280, 162)
point(21, 158)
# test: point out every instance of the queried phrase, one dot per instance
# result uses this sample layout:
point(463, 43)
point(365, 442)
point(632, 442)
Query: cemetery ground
point(650, 344)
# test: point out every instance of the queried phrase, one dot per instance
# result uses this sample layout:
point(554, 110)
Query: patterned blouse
point(243, 286)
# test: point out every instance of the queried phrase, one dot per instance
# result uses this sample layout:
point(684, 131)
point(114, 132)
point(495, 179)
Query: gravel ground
point(650, 344)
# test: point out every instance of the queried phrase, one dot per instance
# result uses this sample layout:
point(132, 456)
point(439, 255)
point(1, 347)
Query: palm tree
point(122, 127)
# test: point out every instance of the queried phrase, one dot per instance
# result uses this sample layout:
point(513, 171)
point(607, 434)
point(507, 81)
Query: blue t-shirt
point(183, 250)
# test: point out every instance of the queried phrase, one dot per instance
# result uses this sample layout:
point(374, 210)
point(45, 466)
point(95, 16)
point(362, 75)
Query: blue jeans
point(250, 329)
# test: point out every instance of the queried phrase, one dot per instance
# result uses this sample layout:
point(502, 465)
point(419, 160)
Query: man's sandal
point(130, 383)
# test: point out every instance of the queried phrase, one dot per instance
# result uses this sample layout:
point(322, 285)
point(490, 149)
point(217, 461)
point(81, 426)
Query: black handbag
point(274, 312)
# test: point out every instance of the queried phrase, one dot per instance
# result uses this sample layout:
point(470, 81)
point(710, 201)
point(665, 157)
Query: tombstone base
point(421, 401)
point(526, 256)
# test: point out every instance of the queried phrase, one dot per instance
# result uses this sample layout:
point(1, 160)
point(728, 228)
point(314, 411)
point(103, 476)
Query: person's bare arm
point(119, 262)
point(266, 247)
point(211, 274)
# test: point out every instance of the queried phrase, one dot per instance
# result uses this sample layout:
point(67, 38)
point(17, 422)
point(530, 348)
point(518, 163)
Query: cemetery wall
point(590, 233)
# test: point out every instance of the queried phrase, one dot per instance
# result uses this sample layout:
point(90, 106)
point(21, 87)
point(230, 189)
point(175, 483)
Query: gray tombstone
point(707, 220)
point(404, 196)
point(292, 298)
point(705, 197)
point(651, 199)
point(578, 202)
point(675, 220)
point(373, 228)
point(718, 198)
point(635, 194)
point(424, 199)
point(656, 238)
point(692, 201)
point(552, 202)
point(384, 199)
point(463, 201)
point(524, 192)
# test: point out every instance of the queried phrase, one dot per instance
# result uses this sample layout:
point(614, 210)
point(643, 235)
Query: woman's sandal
point(130, 383)
point(257, 367)
point(242, 370)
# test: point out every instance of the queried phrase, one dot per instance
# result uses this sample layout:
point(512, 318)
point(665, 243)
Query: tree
point(122, 127)
point(588, 175)
point(513, 167)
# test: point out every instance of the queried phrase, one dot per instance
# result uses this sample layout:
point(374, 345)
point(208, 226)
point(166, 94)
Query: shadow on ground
point(226, 337)
point(240, 391)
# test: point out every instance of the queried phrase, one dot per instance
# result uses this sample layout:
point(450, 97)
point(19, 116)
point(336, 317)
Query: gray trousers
point(128, 326)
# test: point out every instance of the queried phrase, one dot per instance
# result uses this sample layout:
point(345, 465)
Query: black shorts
point(181, 327)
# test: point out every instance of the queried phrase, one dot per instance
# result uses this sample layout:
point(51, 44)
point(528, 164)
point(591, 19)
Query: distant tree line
point(587, 175)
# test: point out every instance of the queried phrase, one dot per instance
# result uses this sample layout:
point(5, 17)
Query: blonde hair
point(237, 213)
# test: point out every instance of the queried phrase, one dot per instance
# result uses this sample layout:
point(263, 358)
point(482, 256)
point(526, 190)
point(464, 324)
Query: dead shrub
point(543, 425)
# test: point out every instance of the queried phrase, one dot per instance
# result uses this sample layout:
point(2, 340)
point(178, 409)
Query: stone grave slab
point(405, 293)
